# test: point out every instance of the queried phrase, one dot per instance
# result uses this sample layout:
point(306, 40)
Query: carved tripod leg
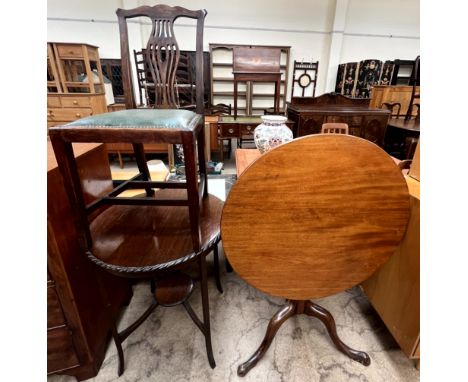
point(275, 323)
point(325, 316)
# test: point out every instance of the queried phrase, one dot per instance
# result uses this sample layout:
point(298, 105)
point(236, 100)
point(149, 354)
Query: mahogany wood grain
point(245, 157)
point(320, 219)
point(174, 289)
point(140, 236)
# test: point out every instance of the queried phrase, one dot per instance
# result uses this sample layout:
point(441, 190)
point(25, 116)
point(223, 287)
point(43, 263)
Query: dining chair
point(335, 128)
point(391, 106)
point(159, 233)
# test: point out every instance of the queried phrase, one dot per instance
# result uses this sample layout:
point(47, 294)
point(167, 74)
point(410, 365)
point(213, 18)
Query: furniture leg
point(142, 165)
point(235, 99)
point(119, 155)
point(206, 310)
point(118, 345)
point(314, 310)
point(277, 91)
point(228, 266)
point(275, 323)
point(216, 268)
point(119, 338)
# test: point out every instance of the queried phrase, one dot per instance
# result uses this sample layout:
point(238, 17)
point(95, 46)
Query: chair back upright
point(162, 53)
point(335, 128)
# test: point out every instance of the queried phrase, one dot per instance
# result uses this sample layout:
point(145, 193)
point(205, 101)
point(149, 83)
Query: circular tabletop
point(315, 216)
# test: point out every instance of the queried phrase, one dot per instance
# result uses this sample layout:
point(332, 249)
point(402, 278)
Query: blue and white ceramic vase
point(272, 132)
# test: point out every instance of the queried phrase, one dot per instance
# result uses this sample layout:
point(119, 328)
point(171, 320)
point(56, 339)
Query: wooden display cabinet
point(75, 86)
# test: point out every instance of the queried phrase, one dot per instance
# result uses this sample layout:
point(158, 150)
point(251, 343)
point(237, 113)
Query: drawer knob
point(50, 113)
point(249, 128)
point(75, 102)
point(78, 115)
point(231, 131)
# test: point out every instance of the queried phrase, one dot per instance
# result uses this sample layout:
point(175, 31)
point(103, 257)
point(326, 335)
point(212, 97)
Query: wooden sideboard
point(393, 94)
point(81, 298)
point(309, 113)
point(394, 289)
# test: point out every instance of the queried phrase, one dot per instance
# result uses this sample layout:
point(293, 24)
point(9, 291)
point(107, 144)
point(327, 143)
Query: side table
point(324, 222)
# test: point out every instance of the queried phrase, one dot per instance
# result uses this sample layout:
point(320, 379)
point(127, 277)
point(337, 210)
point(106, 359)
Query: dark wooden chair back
point(304, 75)
point(391, 106)
point(335, 128)
point(162, 53)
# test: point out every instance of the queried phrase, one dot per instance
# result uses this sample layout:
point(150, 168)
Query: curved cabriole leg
point(216, 268)
point(325, 316)
point(206, 310)
point(273, 326)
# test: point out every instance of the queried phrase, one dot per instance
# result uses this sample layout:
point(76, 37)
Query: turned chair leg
point(325, 316)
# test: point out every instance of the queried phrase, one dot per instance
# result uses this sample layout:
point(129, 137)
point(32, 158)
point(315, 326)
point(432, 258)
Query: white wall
point(397, 18)
point(305, 25)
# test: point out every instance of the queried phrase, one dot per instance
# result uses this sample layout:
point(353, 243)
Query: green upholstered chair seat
point(143, 118)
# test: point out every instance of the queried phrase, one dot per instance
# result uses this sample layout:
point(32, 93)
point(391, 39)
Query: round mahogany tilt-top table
point(312, 218)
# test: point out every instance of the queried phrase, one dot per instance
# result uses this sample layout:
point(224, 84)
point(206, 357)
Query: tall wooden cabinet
point(81, 298)
point(75, 87)
point(253, 98)
point(394, 289)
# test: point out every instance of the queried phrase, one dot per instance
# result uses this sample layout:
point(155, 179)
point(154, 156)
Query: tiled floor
point(168, 346)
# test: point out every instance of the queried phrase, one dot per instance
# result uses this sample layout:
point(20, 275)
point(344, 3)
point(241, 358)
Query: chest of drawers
point(64, 108)
point(81, 299)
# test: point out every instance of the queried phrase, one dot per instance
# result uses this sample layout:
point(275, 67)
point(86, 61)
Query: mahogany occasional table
point(328, 211)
